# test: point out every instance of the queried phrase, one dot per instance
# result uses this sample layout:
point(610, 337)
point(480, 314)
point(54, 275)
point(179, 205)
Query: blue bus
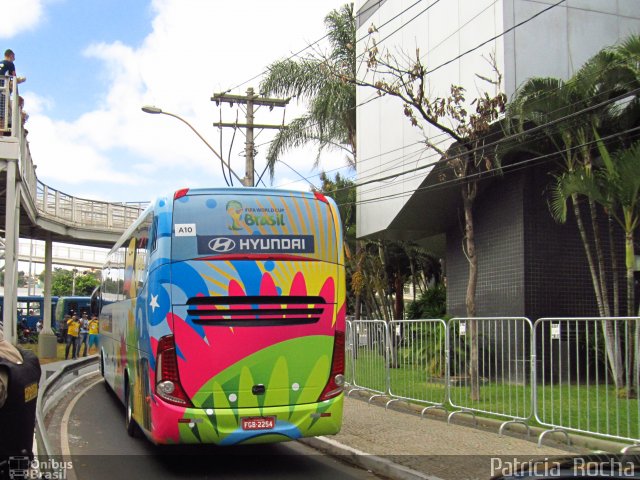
point(30, 309)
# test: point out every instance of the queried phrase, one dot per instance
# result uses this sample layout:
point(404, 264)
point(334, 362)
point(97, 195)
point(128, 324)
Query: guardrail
point(555, 373)
point(49, 386)
point(62, 254)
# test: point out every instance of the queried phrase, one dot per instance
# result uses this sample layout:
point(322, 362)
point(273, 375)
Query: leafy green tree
point(61, 282)
point(343, 191)
point(86, 283)
point(320, 79)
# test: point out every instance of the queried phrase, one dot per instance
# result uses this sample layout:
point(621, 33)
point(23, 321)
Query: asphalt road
point(101, 449)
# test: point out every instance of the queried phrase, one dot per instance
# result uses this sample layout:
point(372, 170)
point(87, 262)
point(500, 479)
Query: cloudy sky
point(91, 64)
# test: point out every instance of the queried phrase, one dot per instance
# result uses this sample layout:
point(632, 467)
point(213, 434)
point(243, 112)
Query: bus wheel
point(106, 384)
point(132, 427)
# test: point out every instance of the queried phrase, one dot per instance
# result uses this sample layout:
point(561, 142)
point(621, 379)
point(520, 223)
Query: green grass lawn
point(589, 408)
point(60, 347)
point(34, 348)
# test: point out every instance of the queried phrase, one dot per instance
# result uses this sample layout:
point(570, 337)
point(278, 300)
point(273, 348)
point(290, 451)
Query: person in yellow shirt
point(93, 332)
point(73, 333)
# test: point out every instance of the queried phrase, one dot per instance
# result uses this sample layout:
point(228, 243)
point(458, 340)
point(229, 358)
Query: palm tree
point(322, 81)
point(553, 104)
point(570, 116)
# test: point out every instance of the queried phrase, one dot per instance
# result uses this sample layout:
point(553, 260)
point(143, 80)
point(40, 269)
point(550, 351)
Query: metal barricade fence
point(417, 361)
point(348, 354)
point(370, 356)
point(587, 376)
point(489, 367)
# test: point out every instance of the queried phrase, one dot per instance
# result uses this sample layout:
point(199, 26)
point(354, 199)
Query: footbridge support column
point(47, 342)
point(9, 311)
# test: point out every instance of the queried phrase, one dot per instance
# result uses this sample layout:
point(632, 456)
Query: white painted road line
point(64, 425)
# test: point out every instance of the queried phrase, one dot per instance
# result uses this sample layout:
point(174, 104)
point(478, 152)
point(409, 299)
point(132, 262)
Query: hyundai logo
point(222, 244)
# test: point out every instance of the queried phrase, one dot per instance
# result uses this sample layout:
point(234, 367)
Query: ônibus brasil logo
point(242, 218)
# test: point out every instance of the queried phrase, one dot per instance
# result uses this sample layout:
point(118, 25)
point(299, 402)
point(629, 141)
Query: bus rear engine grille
point(256, 311)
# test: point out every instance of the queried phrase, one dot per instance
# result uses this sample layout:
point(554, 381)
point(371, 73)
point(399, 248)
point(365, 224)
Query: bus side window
point(153, 240)
point(95, 302)
point(34, 308)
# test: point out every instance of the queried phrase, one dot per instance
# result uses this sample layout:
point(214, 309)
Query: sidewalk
point(405, 446)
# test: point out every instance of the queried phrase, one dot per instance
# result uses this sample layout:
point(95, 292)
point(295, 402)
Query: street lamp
point(155, 110)
point(73, 283)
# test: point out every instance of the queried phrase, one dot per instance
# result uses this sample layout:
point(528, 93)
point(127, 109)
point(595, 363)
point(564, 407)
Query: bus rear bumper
point(225, 426)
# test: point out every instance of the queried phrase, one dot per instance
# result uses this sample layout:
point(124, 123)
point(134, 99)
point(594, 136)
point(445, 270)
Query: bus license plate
point(258, 423)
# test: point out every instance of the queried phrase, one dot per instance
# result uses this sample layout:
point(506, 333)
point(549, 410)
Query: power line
point(453, 59)
point(510, 29)
point(447, 138)
point(509, 137)
point(514, 166)
point(297, 54)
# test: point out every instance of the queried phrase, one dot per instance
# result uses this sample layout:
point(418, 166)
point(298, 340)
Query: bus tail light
point(168, 385)
point(320, 196)
point(180, 193)
point(335, 385)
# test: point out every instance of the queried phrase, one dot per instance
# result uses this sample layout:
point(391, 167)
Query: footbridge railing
point(49, 202)
point(76, 211)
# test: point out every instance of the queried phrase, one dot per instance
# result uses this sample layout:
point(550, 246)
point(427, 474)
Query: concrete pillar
point(10, 255)
point(16, 249)
point(47, 341)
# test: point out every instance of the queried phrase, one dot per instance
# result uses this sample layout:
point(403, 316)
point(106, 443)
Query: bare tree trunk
point(630, 264)
point(634, 353)
point(412, 266)
point(398, 315)
point(385, 283)
point(611, 339)
point(399, 300)
point(358, 299)
point(468, 197)
point(600, 258)
point(614, 267)
point(587, 251)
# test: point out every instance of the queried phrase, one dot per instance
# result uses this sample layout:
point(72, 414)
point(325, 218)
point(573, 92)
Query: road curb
point(577, 440)
point(374, 463)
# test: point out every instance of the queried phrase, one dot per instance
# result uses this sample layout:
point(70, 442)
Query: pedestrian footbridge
point(33, 210)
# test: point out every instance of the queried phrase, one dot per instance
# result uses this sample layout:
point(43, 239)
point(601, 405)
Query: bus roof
point(247, 191)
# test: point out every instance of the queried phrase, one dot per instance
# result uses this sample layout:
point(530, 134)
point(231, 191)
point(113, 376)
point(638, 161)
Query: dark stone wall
point(499, 233)
point(528, 264)
point(557, 278)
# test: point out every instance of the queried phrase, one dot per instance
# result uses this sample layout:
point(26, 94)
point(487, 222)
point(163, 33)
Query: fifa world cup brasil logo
point(235, 209)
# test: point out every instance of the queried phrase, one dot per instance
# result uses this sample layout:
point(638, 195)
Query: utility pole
point(250, 100)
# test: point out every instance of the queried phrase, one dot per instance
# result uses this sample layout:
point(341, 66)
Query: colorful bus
point(222, 318)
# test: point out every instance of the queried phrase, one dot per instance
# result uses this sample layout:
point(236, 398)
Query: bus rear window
point(250, 225)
